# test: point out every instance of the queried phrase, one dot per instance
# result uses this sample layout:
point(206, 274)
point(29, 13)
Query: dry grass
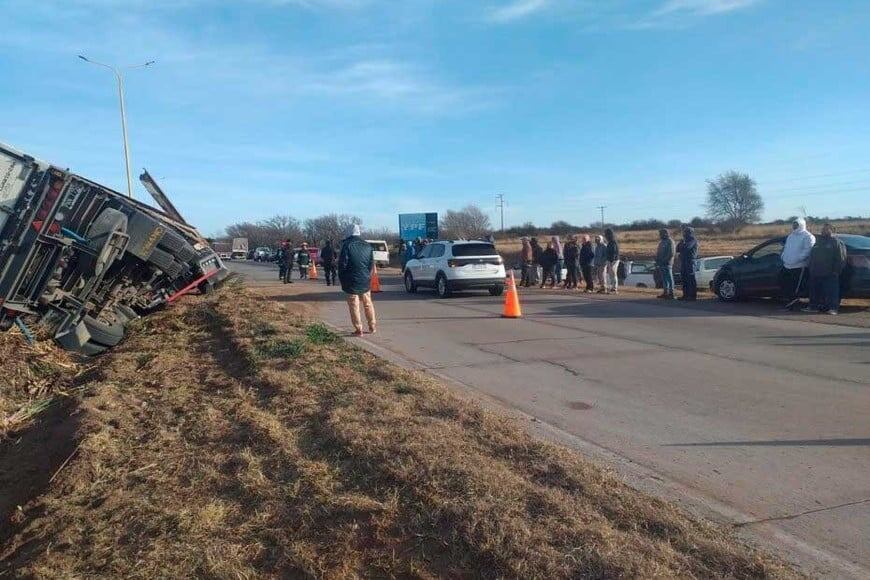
point(201, 453)
point(641, 245)
point(33, 376)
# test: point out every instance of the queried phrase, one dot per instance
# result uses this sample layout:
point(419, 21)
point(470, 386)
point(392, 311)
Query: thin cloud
point(680, 13)
point(517, 10)
point(315, 4)
point(387, 81)
point(703, 7)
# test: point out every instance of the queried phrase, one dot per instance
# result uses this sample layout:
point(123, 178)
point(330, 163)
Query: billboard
point(418, 225)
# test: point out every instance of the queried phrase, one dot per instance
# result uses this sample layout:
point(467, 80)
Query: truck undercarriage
point(82, 261)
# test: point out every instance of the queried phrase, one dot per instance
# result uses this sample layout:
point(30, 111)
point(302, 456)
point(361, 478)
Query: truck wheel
point(176, 244)
point(165, 262)
point(105, 333)
point(109, 222)
point(126, 313)
point(496, 290)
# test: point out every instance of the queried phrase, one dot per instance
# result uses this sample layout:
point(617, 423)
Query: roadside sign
point(418, 225)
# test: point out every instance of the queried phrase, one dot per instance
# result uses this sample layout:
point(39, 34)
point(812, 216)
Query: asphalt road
point(763, 421)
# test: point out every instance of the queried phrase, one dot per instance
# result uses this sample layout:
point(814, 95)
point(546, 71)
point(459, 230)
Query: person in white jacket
point(795, 258)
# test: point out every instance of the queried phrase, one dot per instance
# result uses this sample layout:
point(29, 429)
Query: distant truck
point(381, 252)
point(81, 260)
point(223, 249)
point(240, 249)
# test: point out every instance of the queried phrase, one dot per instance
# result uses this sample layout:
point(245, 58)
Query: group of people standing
point(410, 249)
point(585, 261)
point(666, 253)
point(594, 262)
point(352, 265)
point(815, 264)
point(287, 257)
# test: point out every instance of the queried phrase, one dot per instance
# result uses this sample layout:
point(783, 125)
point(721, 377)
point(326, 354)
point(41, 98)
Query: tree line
point(274, 230)
point(733, 202)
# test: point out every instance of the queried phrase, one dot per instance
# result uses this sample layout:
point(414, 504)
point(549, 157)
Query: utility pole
point(120, 79)
point(500, 206)
point(602, 208)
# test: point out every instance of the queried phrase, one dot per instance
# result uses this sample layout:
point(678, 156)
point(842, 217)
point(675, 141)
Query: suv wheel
point(410, 285)
point(441, 287)
point(727, 289)
point(497, 290)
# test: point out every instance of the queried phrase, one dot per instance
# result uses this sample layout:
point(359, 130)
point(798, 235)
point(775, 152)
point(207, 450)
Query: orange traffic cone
point(511, 300)
point(376, 281)
point(312, 271)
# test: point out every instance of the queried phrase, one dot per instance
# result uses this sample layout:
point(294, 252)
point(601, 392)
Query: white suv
point(456, 265)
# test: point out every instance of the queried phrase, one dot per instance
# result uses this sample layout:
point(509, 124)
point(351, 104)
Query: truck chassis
point(81, 260)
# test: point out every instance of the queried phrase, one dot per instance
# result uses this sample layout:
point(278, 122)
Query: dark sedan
point(758, 272)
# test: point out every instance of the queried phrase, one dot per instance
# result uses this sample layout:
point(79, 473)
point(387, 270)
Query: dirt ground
point(236, 437)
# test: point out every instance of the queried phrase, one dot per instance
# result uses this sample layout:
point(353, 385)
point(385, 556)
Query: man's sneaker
point(832, 312)
point(810, 309)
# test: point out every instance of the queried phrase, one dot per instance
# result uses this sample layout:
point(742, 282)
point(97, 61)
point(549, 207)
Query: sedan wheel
point(727, 289)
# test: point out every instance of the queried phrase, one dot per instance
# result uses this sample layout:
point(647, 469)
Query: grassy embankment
point(235, 437)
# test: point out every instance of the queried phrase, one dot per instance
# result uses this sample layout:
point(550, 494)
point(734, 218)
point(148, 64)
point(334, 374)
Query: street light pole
point(120, 79)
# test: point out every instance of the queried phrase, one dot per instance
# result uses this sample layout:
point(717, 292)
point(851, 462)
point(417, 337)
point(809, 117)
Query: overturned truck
point(82, 261)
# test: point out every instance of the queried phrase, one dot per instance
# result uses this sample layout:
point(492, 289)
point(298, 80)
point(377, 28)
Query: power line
point(761, 184)
point(500, 205)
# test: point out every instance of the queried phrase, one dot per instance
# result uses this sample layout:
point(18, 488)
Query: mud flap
point(74, 338)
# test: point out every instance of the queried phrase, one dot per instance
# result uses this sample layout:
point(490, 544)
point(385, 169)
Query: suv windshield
point(481, 249)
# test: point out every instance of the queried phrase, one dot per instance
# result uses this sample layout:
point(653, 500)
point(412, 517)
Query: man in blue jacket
point(355, 265)
point(688, 250)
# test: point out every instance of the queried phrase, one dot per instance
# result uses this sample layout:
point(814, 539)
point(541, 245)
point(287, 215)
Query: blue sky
point(377, 107)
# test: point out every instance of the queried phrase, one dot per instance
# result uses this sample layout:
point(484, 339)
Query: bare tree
point(281, 227)
point(269, 232)
point(389, 235)
point(329, 227)
point(733, 200)
point(255, 234)
point(468, 223)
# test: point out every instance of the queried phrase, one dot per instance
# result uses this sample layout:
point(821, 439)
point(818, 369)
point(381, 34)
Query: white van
point(381, 252)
